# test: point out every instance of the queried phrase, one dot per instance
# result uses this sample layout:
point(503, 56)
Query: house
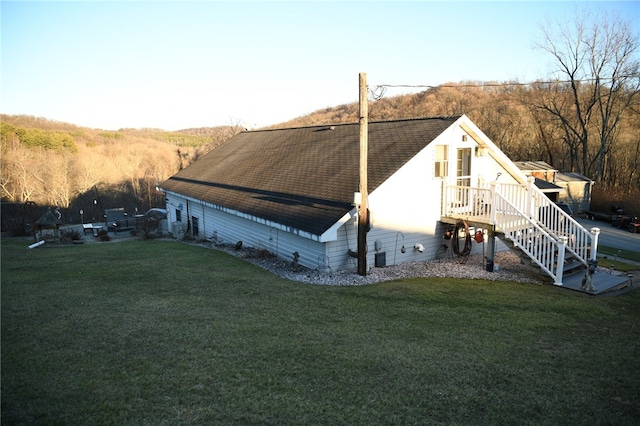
point(570, 188)
point(544, 175)
point(538, 169)
point(291, 192)
point(576, 190)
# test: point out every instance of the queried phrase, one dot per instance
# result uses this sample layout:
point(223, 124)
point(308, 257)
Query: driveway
point(613, 237)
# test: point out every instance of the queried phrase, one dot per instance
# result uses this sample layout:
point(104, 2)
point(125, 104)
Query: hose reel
point(455, 243)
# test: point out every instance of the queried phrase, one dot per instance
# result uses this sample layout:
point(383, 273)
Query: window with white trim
point(441, 161)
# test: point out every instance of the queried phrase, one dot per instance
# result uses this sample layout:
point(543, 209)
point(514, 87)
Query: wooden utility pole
point(363, 217)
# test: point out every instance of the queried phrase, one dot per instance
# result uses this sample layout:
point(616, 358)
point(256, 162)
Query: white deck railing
point(528, 218)
point(541, 247)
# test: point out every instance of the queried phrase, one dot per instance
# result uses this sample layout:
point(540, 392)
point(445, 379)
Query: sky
point(174, 65)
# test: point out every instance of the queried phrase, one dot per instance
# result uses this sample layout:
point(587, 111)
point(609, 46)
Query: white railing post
point(530, 200)
point(494, 203)
point(594, 243)
point(562, 244)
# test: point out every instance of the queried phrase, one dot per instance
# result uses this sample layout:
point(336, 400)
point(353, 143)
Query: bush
point(69, 235)
point(103, 235)
point(147, 229)
point(259, 253)
point(17, 226)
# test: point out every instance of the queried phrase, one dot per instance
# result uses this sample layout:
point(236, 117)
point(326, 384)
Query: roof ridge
point(435, 117)
point(330, 126)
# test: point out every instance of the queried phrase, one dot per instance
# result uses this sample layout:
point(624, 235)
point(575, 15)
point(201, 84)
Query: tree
point(596, 80)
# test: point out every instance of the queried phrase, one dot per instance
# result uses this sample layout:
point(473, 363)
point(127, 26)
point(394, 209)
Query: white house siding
point(221, 227)
point(405, 209)
point(487, 169)
point(337, 256)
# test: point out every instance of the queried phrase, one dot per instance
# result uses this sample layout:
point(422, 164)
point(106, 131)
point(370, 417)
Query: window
point(463, 167)
point(194, 226)
point(441, 161)
point(178, 216)
point(463, 174)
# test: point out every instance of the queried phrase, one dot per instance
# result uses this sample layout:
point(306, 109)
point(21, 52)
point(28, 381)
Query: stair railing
point(537, 206)
point(528, 218)
point(525, 233)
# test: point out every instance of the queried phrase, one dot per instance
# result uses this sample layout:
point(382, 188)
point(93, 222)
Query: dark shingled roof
point(304, 177)
point(48, 220)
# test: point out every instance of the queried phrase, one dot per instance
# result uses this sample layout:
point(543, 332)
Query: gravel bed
point(508, 268)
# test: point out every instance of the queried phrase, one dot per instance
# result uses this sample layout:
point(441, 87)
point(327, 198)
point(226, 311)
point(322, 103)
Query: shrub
point(69, 235)
point(259, 253)
point(16, 226)
point(103, 235)
point(147, 229)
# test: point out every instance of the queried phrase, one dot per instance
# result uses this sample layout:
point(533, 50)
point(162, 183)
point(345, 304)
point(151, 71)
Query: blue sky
point(176, 65)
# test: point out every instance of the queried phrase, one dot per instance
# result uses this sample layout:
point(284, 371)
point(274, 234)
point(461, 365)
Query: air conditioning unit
point(178, 229)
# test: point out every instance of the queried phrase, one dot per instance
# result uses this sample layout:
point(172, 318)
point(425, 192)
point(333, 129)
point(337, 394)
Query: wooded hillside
point(59, 164)
point(585, 119)
point(510, 115)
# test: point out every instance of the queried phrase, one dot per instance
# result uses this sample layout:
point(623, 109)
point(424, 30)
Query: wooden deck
point(605, 283)
point(475, 222)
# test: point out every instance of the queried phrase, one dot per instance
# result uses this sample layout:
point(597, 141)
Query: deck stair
point(545, 238)
point(571, 264)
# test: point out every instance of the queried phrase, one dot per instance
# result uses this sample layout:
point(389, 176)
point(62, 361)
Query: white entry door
point(463, 175)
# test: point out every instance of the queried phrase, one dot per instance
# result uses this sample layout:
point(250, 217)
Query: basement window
point(441, 161)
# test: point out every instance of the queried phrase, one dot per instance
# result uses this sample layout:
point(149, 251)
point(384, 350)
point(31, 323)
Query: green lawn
point(613, 253)
point(151, 332)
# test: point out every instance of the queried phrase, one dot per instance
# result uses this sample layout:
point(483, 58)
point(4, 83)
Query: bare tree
point(22, 172)
point(596, 80)
point(88, 172)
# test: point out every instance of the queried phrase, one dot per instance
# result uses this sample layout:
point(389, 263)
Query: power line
point(379, 91)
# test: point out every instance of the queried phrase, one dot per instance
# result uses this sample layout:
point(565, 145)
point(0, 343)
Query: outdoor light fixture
point(357, 198)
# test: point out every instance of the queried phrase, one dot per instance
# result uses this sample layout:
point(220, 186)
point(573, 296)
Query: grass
point(621, 254)
point(150, 332)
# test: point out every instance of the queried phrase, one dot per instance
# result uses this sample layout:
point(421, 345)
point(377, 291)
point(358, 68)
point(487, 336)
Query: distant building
point(571, 188)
